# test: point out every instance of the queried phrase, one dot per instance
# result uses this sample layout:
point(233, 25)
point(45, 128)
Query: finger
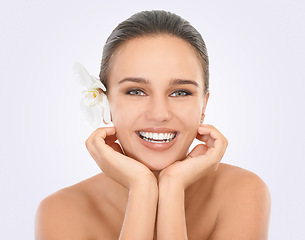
point(204, 135)
point(209, 130)
point(111, 138)
point(209, 141)
point(98, 139)
point(198, 150)
point(213, 137)
point(102, 133)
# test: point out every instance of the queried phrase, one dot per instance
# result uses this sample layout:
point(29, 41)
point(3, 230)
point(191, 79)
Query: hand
point(110, 158)
point(203, 159)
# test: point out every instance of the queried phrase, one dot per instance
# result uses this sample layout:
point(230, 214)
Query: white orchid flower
point(94, 105)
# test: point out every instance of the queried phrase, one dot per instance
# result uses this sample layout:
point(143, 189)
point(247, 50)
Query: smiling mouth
point(157, 137)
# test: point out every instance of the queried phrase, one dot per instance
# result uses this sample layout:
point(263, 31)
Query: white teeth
point(157, 137)
point(161, 136)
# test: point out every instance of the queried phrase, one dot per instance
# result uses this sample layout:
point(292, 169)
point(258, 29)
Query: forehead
point(161, 57)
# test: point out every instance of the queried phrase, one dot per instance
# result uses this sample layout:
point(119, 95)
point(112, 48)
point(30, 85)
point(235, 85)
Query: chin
point(158, 161)
point(156, 167)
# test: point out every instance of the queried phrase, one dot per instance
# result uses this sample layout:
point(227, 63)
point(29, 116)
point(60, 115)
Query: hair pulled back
point(154, 23)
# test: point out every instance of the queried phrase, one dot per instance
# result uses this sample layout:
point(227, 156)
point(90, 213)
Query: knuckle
point(87, 145)
point(89, 142)
point(224, 141)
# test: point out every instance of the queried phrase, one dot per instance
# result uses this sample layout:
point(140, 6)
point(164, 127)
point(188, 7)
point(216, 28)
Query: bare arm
point(140, 214)
point(171, 214)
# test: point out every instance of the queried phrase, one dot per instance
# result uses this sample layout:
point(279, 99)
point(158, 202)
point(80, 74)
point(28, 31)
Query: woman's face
point(156, 96)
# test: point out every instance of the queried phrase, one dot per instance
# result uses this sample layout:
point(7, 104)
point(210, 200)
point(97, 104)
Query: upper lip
point(157, 130)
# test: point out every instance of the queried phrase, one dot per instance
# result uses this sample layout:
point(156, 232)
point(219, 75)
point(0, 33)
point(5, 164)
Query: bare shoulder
point(233, 178)
point(58, 214)
point(245, 209)
point(65, 214)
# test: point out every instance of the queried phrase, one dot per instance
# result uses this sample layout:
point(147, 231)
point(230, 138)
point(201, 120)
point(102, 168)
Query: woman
point(155, 69)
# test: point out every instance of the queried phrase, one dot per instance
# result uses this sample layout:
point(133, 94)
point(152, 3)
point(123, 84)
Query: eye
point(180, 93)
point(135, 92)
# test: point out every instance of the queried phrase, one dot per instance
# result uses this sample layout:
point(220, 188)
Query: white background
point(256, 51)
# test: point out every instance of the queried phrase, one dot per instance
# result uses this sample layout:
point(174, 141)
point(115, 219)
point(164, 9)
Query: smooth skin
point(145, 193)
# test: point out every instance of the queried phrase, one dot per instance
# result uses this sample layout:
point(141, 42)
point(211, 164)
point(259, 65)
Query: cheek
point(189, 114)
point(123, 118)
point(189, 118)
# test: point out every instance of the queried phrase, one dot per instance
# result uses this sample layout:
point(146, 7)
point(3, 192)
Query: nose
point(158, 110)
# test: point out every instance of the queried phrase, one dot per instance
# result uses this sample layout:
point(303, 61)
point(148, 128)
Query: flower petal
point(91, 98)
point(82, 76)
point(91, 114)
point(98, 84)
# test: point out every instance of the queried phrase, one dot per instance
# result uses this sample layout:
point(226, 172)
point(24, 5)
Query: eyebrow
point(183, 81)
point(133, 79)
point(145, 81)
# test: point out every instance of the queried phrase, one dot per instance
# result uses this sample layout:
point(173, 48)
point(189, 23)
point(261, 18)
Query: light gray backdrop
point(257, 59)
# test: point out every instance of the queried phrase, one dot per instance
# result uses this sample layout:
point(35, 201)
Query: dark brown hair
point(154, 23)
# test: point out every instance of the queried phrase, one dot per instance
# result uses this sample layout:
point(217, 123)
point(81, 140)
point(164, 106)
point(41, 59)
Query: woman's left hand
point(203, 159)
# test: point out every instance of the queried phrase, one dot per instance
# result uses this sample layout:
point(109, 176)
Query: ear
point(206, 99)
point(106, 112)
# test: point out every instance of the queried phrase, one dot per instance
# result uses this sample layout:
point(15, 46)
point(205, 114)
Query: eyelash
point(185, 92)
point(129, 92)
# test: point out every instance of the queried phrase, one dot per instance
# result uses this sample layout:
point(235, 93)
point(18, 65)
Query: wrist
point(146, 189)
point(142, 178)
point(147, 183)
point(167, 182)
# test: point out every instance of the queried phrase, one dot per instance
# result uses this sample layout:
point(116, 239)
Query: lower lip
point(157, 146)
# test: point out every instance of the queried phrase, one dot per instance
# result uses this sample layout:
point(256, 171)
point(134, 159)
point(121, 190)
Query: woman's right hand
point(110, 158)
